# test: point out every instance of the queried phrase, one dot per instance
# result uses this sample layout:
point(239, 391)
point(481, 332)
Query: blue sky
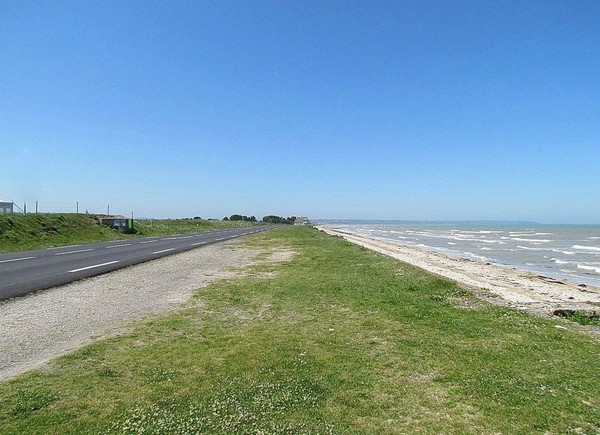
point(426, 110)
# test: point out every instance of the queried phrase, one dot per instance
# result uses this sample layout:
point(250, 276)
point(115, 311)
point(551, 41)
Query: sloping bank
point(339, 339)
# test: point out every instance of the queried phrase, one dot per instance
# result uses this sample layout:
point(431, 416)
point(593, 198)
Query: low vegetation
point(337, 340)
point(21, 232)
point(272, 219)
point(147, 227)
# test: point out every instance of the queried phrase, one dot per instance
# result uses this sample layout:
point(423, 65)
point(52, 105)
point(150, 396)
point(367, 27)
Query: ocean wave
point(586, 248)
point(478, 257)
point(557, 261)
point(528, 248)
point(532, 240)
point(563, 252)
point(586, 267)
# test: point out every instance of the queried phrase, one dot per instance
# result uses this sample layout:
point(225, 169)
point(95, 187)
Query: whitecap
point(563, 252)
point(479, 257)
point(585, 267)
point(557, 261)
point(587, 248)
point(532, 240)
point(530, 249)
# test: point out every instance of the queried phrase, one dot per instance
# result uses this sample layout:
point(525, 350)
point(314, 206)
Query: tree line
point(271, 219)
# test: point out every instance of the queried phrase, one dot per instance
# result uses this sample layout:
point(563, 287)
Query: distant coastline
point(451, 222)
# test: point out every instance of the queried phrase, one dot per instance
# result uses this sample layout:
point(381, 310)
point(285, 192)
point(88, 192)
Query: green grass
point(22, 232)
point(339, 340)
point(583, 318)
point(147, 227)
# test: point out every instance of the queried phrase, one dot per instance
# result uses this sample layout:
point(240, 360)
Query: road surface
point(25, 272)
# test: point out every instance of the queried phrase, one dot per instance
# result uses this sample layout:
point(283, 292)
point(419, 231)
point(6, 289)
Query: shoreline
point(501, 285)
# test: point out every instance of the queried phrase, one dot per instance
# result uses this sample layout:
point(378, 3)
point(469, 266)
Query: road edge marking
point(16, 259)
point(91, 267)
point(164, 250)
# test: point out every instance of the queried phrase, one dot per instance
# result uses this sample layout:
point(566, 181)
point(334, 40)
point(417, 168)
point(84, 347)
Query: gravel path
point(40, 327)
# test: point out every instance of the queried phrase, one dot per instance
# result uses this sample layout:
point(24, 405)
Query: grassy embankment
point(18, 232)
point(339, 340)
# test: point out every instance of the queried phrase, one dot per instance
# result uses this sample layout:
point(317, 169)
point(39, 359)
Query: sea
point(568, 252)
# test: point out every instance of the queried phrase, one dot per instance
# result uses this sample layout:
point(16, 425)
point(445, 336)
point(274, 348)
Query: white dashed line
point(149, 241)
point(74, 252)
point(91, 267)
point(199, 243)
point(16, 259)
point(164, 250)
point(118, 246)
point(63, 247)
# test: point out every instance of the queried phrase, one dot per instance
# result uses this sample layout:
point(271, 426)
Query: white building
point(301, 221)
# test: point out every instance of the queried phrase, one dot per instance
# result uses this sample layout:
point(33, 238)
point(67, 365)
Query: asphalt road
point(25, 272)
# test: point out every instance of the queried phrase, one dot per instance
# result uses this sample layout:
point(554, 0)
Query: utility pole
point(108, 210)
point(36, 207)
point(24, 208)
point(77, 207)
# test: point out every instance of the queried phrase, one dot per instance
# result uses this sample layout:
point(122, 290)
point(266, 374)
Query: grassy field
point(337, 340)
point(21, 232)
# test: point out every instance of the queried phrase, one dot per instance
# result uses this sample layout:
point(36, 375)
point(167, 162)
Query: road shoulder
point(47, 324)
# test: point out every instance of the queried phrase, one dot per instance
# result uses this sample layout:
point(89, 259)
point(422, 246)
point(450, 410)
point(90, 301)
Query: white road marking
point(91, 267)
point(199, 243)
point(118, 246)
point(16, 259)
point(149, 241)
point(170, 238)
point(61, 247)
point(74, 252)
point(186, 237)
point(164, 250)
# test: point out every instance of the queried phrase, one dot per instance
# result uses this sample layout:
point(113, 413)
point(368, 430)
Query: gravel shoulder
point(50, 323)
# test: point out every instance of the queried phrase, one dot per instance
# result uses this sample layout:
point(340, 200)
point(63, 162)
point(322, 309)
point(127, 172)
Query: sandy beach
point(498, 284)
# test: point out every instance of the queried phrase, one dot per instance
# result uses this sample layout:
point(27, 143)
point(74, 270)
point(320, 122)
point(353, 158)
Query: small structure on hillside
point(6, 207)
point(119, 223)
point(301, 221)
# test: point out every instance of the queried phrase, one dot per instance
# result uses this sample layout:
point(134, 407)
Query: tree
point(273, 219)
